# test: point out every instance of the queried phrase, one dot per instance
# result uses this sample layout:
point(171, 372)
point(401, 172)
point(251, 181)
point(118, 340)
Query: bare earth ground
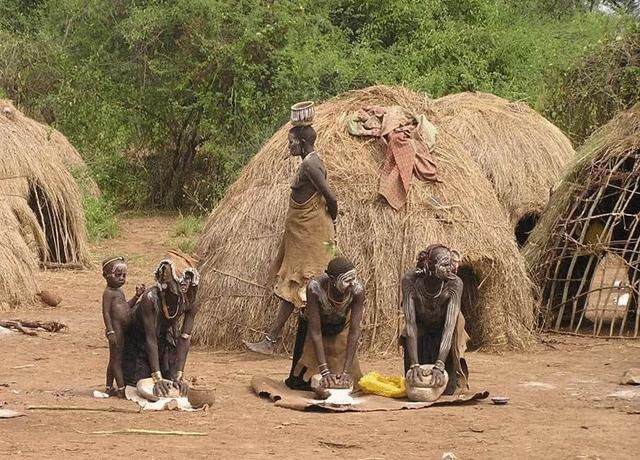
point(559, 408)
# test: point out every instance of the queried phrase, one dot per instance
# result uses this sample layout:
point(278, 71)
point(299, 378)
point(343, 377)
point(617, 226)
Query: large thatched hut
point(41, 215)
point(521, 153)
point(585, 251)
point(241, 237)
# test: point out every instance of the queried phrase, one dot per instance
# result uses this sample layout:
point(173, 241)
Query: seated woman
point(329, 329)
point(153, 346)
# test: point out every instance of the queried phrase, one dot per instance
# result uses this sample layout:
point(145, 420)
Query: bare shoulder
point(148, 299)
point(313, 288)
point(312, 163)
point(455, 284)
point(409, 278)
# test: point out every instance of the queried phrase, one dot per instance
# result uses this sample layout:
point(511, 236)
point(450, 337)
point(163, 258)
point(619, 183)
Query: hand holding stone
point(414, 376)
point(344, 380)
point(437, 377)
point(162, 388)
point(182, 386)
point(327, 381)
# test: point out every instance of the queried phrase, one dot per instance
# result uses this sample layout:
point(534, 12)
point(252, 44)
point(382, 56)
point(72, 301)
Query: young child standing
point(116, 315)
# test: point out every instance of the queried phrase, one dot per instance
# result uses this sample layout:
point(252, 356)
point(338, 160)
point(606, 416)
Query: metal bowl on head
point(302, 113)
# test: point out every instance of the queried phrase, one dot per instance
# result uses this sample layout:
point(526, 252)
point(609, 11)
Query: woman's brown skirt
point(305, 364)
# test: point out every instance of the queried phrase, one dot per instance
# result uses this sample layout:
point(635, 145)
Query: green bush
point(167, 100)
point(592, 90)
point(100, 218)
point(189, 226)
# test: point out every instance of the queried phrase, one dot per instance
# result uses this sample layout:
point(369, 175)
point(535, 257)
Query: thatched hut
point(520, 152)
point(41, 213)
point(241, 236)
point(585, 252)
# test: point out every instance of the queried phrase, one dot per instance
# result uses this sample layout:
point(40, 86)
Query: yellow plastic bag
point(381, 385)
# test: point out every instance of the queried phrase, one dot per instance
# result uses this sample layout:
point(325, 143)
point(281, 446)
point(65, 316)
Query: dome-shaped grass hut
point(41, 211)
point(585, 252)
point(241, 237)
point(521, 153)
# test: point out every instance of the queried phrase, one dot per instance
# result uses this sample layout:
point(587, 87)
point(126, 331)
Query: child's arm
point(107, 298)
point(139, 291)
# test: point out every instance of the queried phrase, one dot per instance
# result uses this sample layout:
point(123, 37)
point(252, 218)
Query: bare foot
point(264, 347)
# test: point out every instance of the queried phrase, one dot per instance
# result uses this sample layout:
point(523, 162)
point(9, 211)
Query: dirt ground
point(561, 404)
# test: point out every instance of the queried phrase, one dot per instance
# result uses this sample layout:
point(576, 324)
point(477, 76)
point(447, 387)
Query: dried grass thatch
point(520, 152)
point(595, 212)
point(41, 211)
point(242, 234)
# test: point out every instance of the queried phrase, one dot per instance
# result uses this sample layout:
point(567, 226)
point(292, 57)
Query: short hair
point(109, 261)
point(339, 265)
point(306, 134)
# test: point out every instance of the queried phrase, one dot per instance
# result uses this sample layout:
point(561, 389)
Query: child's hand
point(113, 342)
point(140, 288)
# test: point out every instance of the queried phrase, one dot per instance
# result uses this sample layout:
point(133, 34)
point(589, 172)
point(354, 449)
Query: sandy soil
point(560, 395)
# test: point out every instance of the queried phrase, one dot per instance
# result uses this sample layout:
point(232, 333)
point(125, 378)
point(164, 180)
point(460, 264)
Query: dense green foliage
point(167, 99)
point(599, 85)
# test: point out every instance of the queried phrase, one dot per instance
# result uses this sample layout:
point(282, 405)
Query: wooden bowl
point(200, 396)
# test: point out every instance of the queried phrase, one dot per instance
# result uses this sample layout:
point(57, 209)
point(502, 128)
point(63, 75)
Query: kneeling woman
point(329, 329)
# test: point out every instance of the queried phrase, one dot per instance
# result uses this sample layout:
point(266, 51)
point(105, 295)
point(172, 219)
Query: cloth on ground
point(455, 364)
point(305, 364)
point(181, 403)
point(285, 397)
point(409, 139)
point(305, 248)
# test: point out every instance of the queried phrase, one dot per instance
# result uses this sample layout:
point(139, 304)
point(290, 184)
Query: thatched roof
point(41, 211)
point(520, 152)
point(242, 233)
point(601, 186)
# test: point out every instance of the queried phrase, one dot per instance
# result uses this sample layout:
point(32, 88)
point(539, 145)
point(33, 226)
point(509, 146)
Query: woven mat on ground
point(282, 396)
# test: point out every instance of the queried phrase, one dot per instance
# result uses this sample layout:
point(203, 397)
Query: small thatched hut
point(520, 152)
point(41, 215)
point(585, 251)
point(241, 237)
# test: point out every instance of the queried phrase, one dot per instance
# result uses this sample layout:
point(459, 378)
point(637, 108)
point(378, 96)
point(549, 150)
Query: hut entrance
point(470, 296)
point(525, 226)
point(58, 244)
point(593, 281)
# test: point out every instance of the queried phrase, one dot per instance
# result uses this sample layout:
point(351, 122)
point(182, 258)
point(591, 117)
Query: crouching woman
point(329, 329)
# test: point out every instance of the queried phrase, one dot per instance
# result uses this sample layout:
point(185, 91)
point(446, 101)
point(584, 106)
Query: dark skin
point(116, 316)
point(311, 176)
point(149, 320)
point(310, 179)
point(338, 378)
point(431, 301)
